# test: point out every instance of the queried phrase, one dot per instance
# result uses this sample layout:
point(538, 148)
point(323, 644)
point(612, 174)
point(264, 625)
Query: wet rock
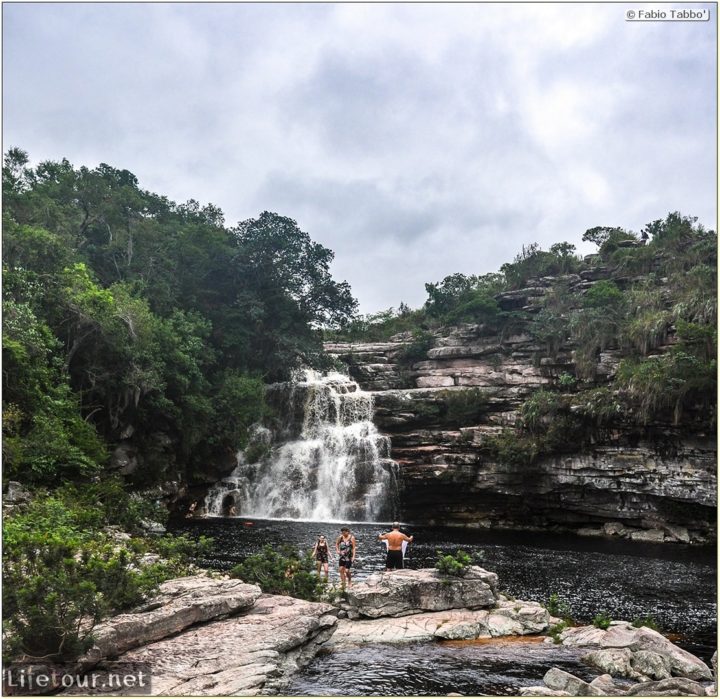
point(622, 479)
point(652, 535)
point(560, 680)
point(402, 592)
point(615, 529)
point(673, 687)
point(179, 604)
point(590, 531)
point(677, 533)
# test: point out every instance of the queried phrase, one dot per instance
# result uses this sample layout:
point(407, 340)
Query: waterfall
point(325, 461)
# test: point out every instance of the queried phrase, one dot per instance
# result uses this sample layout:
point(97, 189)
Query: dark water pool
point(675, 584)
point(425, 669)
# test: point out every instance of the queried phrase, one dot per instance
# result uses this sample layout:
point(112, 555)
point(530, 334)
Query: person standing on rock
point(396, 543)
point(321, 553)
point(345, 546)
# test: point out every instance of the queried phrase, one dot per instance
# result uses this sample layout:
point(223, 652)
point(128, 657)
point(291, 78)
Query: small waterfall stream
point(325, 461)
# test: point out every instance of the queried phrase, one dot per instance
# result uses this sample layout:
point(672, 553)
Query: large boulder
point(565, 682)
point(402, 592)
point(180, 603)
point(680, 662)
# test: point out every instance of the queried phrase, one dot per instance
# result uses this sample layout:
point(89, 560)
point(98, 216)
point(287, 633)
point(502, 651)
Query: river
point(674, 584)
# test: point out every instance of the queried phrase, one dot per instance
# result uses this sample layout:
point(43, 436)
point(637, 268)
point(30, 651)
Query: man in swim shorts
point(345, 546)
point(395, 540)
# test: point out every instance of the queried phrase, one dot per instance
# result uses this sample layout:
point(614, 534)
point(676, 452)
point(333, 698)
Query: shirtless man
point(345, 546)
point(395, 540)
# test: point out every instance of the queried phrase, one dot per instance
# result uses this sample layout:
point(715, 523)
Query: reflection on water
point(674, 584)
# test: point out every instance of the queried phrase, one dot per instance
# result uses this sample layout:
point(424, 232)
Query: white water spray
point(338, 469)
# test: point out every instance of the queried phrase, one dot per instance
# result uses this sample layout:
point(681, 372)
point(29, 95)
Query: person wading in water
point(345, 546)
point(395, 540)
point(321, 553)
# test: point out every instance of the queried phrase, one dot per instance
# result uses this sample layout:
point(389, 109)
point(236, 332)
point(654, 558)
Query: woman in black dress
point(321, 553)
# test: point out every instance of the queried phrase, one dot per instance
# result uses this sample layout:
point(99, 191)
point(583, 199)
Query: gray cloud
point(414, 140)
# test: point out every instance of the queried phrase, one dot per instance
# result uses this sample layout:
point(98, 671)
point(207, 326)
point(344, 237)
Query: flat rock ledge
point(402, 592)
point(181, 603)
point(248, 655)
point(205, 636)
point(507, 618)
point(656, 665)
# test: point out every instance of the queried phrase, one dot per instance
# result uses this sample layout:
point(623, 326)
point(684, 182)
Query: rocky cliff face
point(655, 482)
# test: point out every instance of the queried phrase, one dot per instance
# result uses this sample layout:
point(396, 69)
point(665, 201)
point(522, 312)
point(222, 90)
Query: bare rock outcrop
point(253, 653)
point(181, 603)
point(403, 592)
point(508, 618)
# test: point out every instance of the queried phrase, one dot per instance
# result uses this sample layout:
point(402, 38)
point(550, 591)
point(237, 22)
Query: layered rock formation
point(442, 410)
point(423, 605)
point(202, 636)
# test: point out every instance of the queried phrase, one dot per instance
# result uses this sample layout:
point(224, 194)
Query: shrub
point(602, 620)
point(465, 405)
point(599, 405)
point(567, 380)
point(478, 305)
point(555, 631)
point(417, 350)
point(455, 566)
point(106, 502)
point(282, 572)
point(647, 621)
point(62, 573)
point(511, 447)
point(674, 381)
point(558, 607)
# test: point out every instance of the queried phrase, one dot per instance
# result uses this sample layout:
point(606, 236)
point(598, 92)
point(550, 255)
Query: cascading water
point(336, 468)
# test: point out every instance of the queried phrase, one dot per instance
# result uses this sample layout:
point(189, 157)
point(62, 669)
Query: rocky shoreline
point(214, 636)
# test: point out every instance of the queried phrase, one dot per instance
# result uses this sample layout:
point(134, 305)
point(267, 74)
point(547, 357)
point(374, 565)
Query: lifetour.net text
point(119, 678)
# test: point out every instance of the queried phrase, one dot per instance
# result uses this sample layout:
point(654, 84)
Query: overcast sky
point(413, 140)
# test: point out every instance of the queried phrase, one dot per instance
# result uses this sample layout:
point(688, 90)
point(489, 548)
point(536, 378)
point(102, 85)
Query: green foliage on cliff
point(416, 351)
point(125, 313)
point(465, 406)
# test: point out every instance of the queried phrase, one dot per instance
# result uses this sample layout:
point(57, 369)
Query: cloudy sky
point(413, 140)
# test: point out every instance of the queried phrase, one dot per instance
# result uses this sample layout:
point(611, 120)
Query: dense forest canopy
point(127, 315)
